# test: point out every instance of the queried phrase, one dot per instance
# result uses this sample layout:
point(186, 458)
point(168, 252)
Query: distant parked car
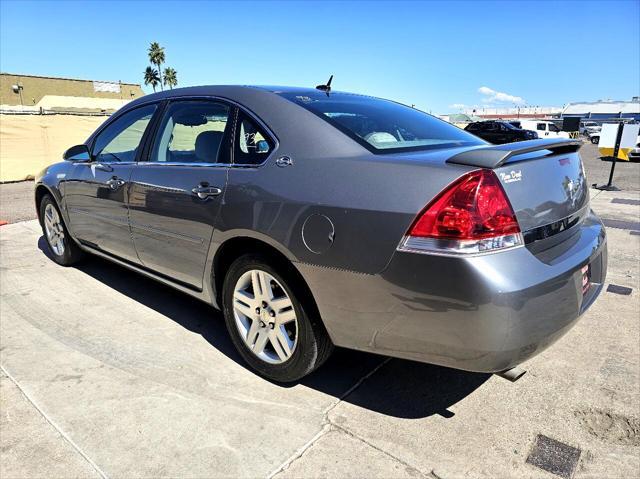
point(587, 127)
point(499, 132)
point(544, 128)
point(594, 137)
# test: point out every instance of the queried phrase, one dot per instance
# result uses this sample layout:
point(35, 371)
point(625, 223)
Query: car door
point(96, 192)
point(490, 132)
point(542, 129)
point(177, 188)
point(503, 134)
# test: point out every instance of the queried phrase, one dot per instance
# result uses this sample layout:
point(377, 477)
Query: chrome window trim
point(186, 163)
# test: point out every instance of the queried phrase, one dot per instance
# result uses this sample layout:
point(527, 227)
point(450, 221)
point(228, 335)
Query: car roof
point(274, 110)
point(233, 91)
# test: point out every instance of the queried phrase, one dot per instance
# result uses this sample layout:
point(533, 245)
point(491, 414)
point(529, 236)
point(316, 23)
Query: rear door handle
point(115, 183)
point(204, 192)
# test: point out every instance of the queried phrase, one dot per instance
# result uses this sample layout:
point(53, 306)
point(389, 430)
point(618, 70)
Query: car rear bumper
point(485, 313)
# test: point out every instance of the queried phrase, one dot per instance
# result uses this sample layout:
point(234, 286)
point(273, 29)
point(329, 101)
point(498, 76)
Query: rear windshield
point(380, 125)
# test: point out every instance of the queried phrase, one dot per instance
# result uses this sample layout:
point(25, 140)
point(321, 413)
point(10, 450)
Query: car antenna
point(326, 88)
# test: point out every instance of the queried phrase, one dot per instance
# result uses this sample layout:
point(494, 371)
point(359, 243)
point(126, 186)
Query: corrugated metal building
point(604, 109)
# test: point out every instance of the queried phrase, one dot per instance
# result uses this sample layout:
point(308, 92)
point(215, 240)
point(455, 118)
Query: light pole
point(17, 88)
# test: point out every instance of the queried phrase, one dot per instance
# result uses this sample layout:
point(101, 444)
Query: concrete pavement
point(108, 374)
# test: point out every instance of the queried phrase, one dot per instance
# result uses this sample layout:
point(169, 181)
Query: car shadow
point(399, 388)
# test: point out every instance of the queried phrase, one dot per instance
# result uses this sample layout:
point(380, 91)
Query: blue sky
point(431, 54)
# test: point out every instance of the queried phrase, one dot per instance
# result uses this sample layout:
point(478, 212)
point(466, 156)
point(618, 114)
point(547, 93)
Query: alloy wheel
point(265, 316)
point(54, 229)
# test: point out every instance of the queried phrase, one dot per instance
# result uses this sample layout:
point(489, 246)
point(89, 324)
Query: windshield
point(382, 126)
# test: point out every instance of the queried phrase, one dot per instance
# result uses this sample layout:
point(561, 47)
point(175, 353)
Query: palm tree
point(151, 77)
point(156, 57)
point(170, 77)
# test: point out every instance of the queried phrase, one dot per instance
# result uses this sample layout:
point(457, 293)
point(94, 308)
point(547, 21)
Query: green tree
point(170, 77)
point(156, 57)
point(151, 77)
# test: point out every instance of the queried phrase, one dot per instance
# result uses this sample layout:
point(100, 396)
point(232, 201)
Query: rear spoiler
point(495, 156)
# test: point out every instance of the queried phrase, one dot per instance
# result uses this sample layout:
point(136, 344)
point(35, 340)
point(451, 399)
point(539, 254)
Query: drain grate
point(554, 456)
point(617, 289)
point(623, 201)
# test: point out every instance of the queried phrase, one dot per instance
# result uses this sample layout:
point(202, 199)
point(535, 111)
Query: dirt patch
point(610, 427)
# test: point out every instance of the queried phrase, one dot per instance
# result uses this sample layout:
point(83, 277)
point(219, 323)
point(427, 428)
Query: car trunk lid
point(543, 179)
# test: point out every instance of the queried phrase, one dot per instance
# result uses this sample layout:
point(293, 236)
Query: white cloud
point(493, 96)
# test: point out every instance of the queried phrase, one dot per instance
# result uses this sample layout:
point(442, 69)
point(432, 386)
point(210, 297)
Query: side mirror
point(262, 147)
point(79, 153)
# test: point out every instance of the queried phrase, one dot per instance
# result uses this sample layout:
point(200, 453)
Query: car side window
point(541, 126)
point(251, 144)
point(193, 132)
point(120, 140)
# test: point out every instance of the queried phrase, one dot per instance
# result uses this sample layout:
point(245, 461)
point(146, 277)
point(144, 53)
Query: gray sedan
point(316, 219)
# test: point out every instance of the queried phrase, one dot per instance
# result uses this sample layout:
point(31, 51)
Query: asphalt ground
point(105, 373)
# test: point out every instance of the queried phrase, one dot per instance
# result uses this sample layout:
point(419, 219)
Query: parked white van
point(545, 129)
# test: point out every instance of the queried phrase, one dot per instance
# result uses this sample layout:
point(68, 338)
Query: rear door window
point(252, 144)
point(193, 132)
point(541, 126)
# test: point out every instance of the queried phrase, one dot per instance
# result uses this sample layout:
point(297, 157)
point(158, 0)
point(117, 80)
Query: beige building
point(27, 92)
point(40, 117)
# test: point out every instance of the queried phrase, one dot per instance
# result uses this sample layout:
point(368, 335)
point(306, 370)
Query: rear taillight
point(472, 215)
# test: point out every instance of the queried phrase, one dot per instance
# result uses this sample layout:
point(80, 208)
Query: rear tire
point(595, 140)
point(62, 247)
point(270, 320)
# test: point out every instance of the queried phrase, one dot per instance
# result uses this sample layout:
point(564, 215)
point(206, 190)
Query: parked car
point(499, 132)
point(587, 127)
point(544, 128)
point(317, 218)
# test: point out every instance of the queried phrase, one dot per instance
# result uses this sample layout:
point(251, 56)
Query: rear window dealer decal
point(511, 177)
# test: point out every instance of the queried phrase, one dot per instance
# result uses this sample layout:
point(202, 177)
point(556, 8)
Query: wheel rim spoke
point(281, 343)
point(281, 303)
point(261, 341)
point(286, 316)
point(252, 334)
point(245, 303)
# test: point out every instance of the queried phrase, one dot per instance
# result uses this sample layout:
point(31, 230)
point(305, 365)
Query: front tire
point(270, 320)
point(595, 140)
point(63, 249)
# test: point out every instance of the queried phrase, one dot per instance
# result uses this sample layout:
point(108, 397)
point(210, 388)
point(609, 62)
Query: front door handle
point(204, 191)
point(115, 183)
